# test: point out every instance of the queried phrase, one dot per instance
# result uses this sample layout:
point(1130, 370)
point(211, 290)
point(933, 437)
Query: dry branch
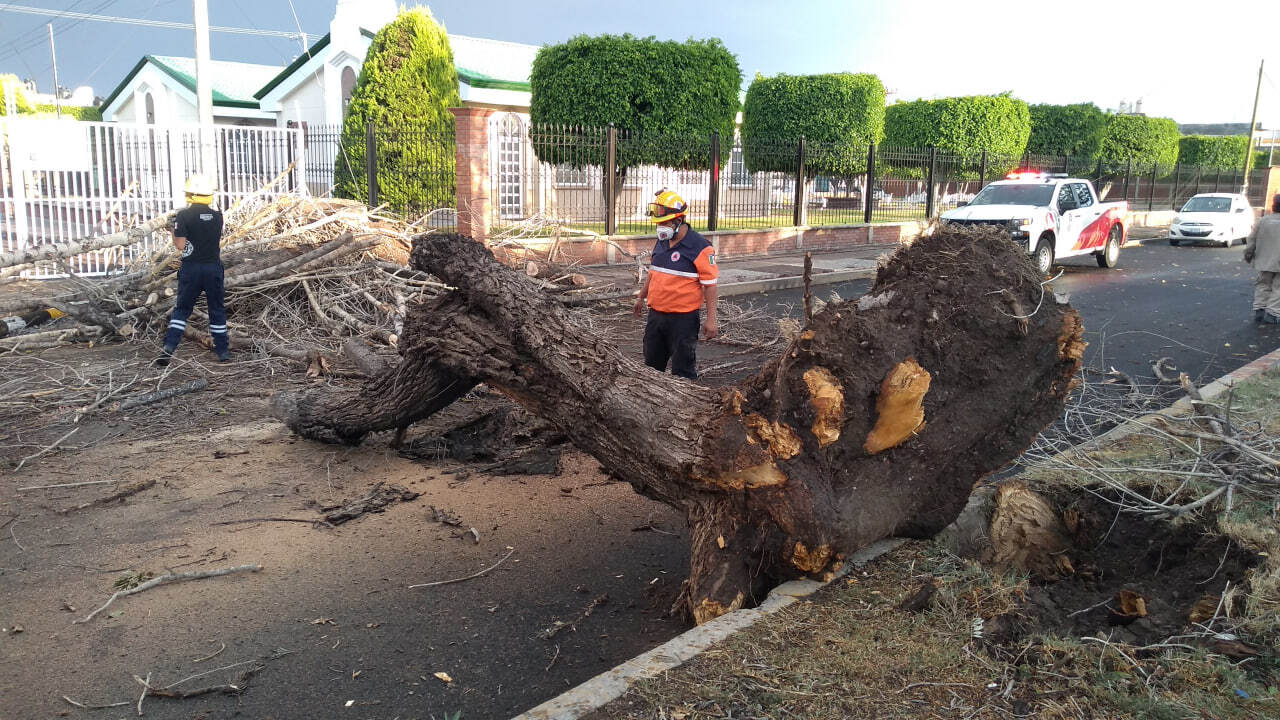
point(164, 579)
point(37, 253)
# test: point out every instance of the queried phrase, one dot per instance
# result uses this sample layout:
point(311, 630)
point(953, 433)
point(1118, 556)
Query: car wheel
point(1228, 242)
point(1174, 243)
point(1044, 255)
point(1110, 254)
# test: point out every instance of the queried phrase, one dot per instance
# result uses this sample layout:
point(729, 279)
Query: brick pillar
point(472, 163)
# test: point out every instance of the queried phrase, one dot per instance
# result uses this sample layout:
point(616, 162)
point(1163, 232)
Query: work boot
point(1260, 315)
point(224, 356)
point(166, 354)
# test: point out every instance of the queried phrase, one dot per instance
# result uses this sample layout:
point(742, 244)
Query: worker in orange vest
point(681, 279)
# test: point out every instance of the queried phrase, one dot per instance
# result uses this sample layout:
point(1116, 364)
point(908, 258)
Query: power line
point(168, 24)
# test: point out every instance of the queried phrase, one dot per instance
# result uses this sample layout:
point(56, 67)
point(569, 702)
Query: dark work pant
point(674, 337)
point(193, 279)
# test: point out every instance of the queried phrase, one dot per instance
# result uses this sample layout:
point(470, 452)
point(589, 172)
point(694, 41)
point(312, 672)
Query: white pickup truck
point(1053, 216)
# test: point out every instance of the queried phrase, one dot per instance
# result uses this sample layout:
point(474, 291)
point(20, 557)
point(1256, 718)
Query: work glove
point(1248, 254)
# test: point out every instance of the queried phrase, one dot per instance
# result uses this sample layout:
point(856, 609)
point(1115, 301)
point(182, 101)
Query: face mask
point(666, 232)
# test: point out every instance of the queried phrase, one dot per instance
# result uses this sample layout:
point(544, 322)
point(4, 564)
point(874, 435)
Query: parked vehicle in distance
point(1052, 216)
point(1216, 217)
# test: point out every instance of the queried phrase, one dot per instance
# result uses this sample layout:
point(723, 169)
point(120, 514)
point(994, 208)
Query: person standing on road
point(197, 235)
point(682, 277)
point(1262, 250)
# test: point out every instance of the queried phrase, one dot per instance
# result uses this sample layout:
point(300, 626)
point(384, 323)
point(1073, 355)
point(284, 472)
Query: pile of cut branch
point(303, 275)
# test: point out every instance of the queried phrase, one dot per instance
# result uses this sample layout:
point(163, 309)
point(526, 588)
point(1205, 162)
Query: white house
point(314, 88)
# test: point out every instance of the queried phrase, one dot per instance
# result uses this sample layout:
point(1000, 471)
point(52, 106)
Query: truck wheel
point(1111, 251)
point(1044, 255)
point(1174, 242)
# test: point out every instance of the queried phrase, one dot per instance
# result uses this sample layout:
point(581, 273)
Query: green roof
point(293, 66)
point(234, 83)
point(480, 80)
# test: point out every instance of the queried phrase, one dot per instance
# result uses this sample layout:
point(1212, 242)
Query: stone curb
point(612, 684)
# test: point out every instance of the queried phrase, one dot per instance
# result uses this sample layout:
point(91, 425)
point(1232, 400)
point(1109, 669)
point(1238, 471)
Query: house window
point(568, 176)
point(511, 167)
point(738, 175)
point(150, 104)
point(348, 85)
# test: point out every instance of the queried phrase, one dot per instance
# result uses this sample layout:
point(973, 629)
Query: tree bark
point(875, 420)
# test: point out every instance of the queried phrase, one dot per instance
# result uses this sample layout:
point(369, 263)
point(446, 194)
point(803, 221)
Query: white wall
point(306, 103)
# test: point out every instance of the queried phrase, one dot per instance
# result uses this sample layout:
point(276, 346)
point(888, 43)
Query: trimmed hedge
point(1144, 139)
point(838, 114)
point(406, 85)
point(1217, 151)
point(79, 112)
point(1075, 130)
point(963, 126)
point(664, 97)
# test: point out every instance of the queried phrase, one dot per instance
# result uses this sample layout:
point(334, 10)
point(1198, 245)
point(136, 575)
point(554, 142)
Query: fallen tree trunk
point(874, 421)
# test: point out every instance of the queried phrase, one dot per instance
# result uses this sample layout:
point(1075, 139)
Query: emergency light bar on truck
point(1032, 175)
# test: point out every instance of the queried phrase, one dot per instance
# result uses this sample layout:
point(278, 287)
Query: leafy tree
point(404, 90)
point(665, 98)
point(963, 126)
point(1145, 140)
point(20, 99)
point(1216, 151)
point(1074, 130)
point(838, 114)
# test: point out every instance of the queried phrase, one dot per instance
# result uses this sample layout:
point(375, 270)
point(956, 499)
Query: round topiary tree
point(665, 98)
point(1144, 140)
point(404, 90)
point(1215, 151)
point(838, 114)
point(963, 126)
point(1074, 130)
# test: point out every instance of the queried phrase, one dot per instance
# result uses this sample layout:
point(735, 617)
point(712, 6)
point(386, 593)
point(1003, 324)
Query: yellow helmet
point(199, 189)
point(667, 205)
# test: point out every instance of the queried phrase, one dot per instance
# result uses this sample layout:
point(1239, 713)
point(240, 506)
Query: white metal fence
point(63, 180)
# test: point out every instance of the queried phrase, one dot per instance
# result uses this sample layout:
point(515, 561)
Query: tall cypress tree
point(405, 88)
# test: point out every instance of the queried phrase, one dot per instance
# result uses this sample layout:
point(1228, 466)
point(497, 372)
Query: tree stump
point(874, 421)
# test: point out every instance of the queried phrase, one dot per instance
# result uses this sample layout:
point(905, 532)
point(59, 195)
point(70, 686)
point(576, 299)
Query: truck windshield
point(1207, 204)
point(1014, 195)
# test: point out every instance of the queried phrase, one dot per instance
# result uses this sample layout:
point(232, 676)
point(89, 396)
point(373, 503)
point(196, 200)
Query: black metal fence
point(600, 180)
point(407, 171)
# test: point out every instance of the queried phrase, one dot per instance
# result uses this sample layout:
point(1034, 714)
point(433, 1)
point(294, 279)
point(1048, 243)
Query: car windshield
point(1014, 195)
point(1207, 204)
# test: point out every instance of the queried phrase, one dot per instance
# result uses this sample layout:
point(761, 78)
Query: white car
point(1216, 217)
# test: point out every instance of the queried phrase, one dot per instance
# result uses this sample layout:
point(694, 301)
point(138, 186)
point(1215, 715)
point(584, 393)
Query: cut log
point(365, 360)
point(780, 476)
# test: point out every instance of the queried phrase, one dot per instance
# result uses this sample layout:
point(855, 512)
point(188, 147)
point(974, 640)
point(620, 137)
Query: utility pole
point(204, 89)
point(57, 98)
point(1253, 122)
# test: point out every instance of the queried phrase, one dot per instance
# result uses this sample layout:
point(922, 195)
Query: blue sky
point(1196, 65)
